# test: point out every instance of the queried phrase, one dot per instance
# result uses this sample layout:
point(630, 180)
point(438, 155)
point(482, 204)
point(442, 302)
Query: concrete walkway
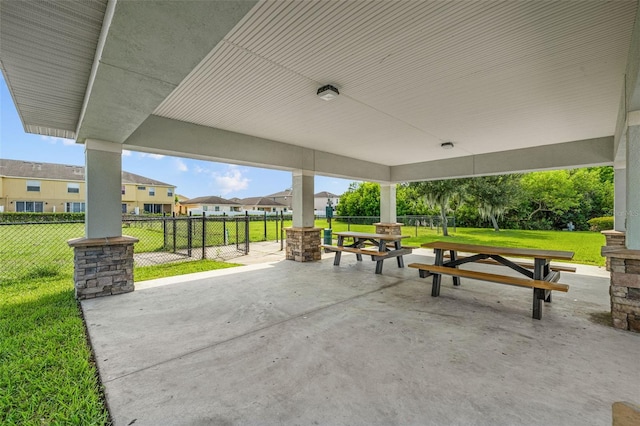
point(309, 343)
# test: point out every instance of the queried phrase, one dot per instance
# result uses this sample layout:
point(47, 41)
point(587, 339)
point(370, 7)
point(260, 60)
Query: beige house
point(28, 186)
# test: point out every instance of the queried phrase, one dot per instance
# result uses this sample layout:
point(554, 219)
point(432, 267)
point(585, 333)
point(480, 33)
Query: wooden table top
point(385, 237)
point(501, 251)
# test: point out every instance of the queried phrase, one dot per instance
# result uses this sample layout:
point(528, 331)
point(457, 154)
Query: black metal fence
point(35, 249)
point(38, 249)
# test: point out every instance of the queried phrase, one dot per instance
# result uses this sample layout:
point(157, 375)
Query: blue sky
point(193, 178)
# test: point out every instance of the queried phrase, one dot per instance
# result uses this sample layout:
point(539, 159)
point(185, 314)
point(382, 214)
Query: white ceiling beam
point(590, 152)
point(172, 137)
point(131, 78)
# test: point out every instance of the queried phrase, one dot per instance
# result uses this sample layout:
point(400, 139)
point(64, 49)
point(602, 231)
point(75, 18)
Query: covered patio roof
point(514, 85)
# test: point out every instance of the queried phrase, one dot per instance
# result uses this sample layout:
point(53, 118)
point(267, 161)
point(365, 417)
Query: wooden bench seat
point(541, 288)
point(527, 265)
point(365, 251)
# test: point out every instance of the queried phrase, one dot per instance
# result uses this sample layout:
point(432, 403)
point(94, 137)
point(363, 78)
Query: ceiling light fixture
point(446, 145)
point(328, 92)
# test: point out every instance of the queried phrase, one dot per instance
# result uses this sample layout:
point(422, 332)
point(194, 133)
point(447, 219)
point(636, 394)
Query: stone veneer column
point(625, 288)
point(303, 244)
point(389, 228)
point(102, 266)
point(613, 240)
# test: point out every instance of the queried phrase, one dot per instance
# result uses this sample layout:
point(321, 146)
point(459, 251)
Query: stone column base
point(303, 244)
point(615, 239)
point(389, 228)
point(102, 266)
point(625, 288)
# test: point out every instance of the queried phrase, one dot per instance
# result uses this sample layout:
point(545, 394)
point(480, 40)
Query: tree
point(361, 199)
point(438, 193)
point(493, 195)
point(552, 192)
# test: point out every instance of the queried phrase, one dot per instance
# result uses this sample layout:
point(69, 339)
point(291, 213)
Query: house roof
point(325, 194)
point(285, 193)
point(210, 199)
point(260, 201)
point(40, 170)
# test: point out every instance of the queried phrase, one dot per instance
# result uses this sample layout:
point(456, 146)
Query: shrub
point(600, 223)
point(40, 217)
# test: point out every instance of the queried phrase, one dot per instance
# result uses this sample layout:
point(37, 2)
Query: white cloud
point(200, 169)
point(181, 166)
point(154, 156)
point(230, 181)
point(126, 153)
point(54, 140)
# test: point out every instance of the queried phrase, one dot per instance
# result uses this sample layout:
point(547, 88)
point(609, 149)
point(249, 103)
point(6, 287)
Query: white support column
point(619, 199)
point(103, 202)
point(388, 203)
point(633, 193)
point(303, 210)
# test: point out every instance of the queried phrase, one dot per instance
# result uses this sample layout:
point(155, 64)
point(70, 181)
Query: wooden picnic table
point(539, 275)
point(382, 246)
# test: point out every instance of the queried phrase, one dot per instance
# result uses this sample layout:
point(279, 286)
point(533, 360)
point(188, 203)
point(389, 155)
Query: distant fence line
point(39, 248)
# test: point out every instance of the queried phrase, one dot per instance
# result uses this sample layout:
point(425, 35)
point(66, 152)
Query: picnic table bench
point(540, 275)
point(375, 245)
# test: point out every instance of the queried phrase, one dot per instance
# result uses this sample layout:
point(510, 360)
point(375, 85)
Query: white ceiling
point(46, 52)
point(236, 81)
point(489, 76)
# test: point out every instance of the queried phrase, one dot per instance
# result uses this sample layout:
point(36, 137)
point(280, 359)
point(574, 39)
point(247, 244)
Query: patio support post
point(303, 239)
point(388, 219)
point(619, 199)
point(103, 258)
point(623, 260)
point(103, 176)
point(633, 195)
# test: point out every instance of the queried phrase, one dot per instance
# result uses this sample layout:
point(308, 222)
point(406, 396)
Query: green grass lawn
point(47, 375)
point(46, 372)
point(585, 244)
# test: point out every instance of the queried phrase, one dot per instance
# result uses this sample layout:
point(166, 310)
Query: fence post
point(348, 223)
point(281, 231)
point(265, 226)
point(165, 241)
point(246, 233)
point(189, 236)
point(175, 229)
point(225, 239)
point(237, 236)
point(204, 236)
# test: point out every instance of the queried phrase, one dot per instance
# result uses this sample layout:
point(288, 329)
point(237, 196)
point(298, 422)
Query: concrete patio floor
point(309, 343)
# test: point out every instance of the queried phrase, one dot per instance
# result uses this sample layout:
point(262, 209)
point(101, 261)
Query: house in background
point(322, 199)
point(180, 208)
point(28, 186)
point(263, 204)
point(283, 197)
point(319, 203)
point(211, 205)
